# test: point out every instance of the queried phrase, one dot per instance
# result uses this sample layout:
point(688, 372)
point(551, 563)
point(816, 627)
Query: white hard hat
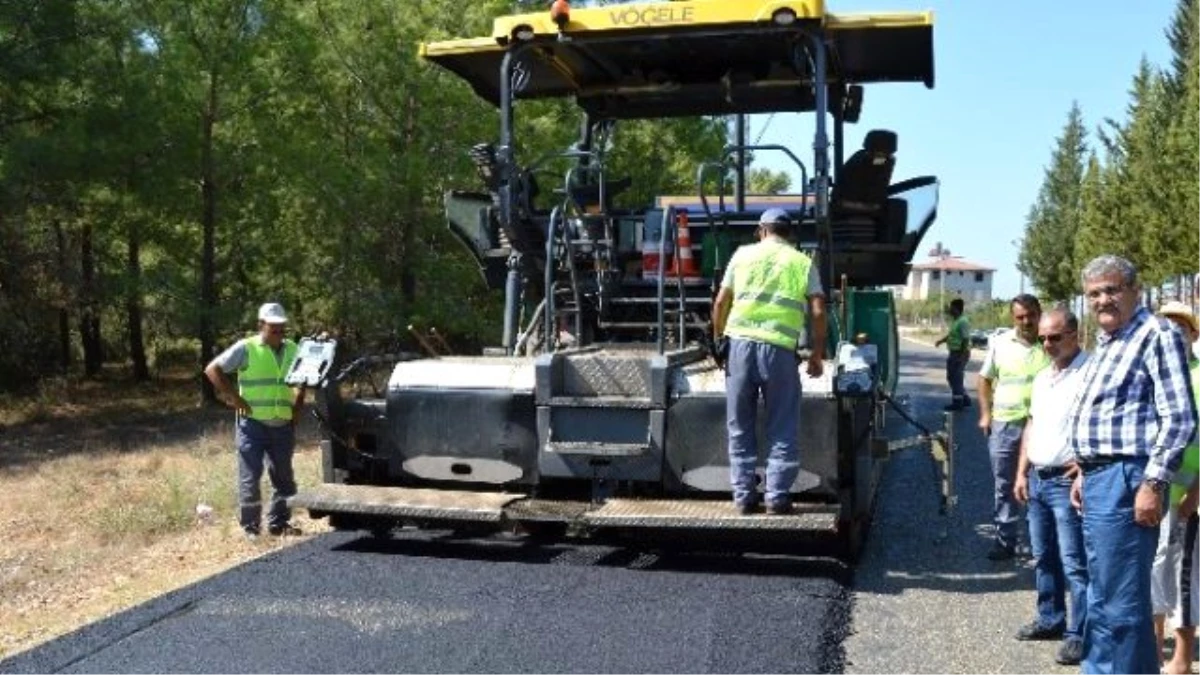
point(272, 312)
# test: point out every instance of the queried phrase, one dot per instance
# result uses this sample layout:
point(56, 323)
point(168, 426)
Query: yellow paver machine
point(602, 412)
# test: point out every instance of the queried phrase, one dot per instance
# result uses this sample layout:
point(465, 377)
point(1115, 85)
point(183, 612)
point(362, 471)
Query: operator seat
point(863, 188)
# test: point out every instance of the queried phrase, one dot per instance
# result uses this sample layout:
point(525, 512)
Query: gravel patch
point(926, 599)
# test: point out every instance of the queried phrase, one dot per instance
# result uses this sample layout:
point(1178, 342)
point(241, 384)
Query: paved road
point(429, 603)
point(926, 598)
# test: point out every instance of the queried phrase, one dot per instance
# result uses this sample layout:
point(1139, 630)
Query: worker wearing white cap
point(758, 317)
point(267, 411)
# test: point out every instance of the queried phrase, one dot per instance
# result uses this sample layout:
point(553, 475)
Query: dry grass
point(100, 493)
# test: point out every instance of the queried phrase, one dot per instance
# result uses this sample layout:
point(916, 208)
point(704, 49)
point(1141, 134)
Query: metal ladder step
point(668, 300)
point(597, 448)
point(629, 402)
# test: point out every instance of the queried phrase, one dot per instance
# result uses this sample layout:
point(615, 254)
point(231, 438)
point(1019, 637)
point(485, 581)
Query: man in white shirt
point(1045, 470)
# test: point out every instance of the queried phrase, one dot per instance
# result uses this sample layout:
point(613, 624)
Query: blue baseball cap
point(775, 216)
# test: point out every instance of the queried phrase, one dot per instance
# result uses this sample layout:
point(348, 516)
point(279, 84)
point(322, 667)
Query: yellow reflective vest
point(769, 281)
point(1191, 454)
point(260, 381)
point(1012, 369)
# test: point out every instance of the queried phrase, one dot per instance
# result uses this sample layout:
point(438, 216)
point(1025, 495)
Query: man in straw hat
point(1175, 577)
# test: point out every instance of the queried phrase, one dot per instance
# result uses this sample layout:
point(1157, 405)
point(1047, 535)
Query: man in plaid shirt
point(1128, 426)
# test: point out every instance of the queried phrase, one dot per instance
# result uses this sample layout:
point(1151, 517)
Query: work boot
point(1070, 652)
point(779, 509)
point(1001, 552)
point(1036, 631)
point(285, 530)
point(746, 508)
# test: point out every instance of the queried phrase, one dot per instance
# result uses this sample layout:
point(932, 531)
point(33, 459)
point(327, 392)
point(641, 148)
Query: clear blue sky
point(1006, 74)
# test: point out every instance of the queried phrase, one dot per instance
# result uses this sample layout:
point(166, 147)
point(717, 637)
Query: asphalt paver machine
point(602, 411)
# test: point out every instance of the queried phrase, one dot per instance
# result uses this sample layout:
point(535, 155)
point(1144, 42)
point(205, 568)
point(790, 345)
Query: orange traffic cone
point(685, 264)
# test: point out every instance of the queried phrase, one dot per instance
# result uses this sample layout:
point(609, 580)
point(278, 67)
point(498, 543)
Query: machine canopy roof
point(690, 57)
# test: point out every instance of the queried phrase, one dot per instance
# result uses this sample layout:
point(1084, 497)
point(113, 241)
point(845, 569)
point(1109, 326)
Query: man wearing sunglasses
point(267, 411)
point(1128, 426)
point(1045, 472)
point(1013, 358)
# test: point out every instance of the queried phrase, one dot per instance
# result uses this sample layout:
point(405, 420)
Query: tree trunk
point(413, 190)
point(64, 315)
point(208, 221)
point(133, 304)
point(89, 319)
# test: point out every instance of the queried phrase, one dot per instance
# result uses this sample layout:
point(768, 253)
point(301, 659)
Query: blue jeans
point(755, 367)
point(1056, 540)
point(258, 443)
point(1118, 636)
point(1004, 448)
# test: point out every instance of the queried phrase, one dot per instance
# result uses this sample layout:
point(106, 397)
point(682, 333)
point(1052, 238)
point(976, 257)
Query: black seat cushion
point(865, 178)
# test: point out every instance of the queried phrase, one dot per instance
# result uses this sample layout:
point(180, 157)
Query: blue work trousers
point(754, 368)
point(259, 444)
point(1059, 561)
point(1004, 449)
point(956, 368)
point(1118, 636)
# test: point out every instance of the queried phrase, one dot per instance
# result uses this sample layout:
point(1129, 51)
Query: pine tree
point(1047, 252)
point(1119, 195)
point(1181, 35)
point(1173, 242)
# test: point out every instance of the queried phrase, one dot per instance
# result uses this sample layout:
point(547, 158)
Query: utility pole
point(942, 293)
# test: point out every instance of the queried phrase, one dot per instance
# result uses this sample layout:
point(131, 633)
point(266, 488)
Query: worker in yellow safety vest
point(1005, 387)
point(267, 411)
point(758, 318)
point(1175, 575)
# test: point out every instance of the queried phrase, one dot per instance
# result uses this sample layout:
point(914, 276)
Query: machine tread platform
point(678, 514)
point(456, 505)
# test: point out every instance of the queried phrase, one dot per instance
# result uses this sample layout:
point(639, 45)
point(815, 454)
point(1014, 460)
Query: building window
point(979, 277)
point(936, 274)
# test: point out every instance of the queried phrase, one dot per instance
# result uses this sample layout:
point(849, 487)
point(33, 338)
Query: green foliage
point(1139, 199)
point(1172, 239)
point(1047, 251)
point(763, 181)
point(167, 165)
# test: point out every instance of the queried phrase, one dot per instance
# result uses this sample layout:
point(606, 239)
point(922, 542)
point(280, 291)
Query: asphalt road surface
point(429, 602)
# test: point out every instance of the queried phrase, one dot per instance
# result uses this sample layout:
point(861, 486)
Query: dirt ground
point(101, 484)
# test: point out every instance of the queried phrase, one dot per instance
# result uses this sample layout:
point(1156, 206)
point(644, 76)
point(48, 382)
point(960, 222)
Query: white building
point(947, 277)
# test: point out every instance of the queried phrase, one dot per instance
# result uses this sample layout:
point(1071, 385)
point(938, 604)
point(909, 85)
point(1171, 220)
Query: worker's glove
point(720, 351)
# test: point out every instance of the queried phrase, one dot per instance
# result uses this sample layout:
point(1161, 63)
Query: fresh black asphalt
point(432, 602)
point(426, 602)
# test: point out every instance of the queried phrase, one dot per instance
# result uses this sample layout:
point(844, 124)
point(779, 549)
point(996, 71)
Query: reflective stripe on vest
point(261, 381)
point(770, 292)
point(1016, 365)
point(1190, 467)
point(955, 342)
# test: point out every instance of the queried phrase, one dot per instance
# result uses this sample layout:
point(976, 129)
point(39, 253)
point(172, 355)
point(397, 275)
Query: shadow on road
point(611, 552)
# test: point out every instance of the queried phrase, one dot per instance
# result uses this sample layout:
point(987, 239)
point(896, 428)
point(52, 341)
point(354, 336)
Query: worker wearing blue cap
point(758, 318)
